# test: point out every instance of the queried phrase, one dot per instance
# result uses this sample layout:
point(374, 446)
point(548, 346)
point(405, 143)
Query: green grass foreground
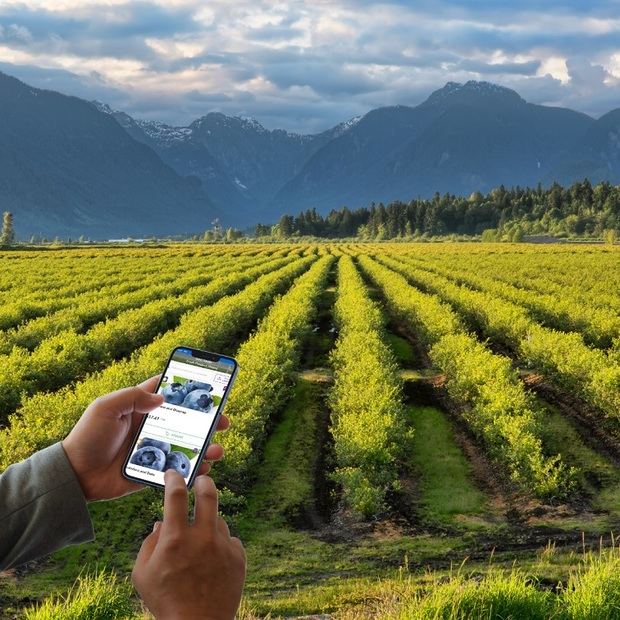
point(97, 595)
point(591, 592)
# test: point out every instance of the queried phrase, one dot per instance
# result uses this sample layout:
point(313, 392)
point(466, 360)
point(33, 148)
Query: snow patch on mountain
point(164, 133)
point(346, 126)
point(471, 88)
point(102, 107)
point(249, 122)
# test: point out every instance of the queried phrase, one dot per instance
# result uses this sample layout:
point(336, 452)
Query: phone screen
point(174, 436)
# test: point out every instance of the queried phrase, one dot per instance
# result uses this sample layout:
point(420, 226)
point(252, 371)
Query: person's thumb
point(126, 401)
point(145, 401)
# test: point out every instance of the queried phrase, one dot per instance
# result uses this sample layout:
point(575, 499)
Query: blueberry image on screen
point(164, 446)
point(150, 457)
point(192, 385)
point(179, 462)
point(200, 400)
point(174, 393)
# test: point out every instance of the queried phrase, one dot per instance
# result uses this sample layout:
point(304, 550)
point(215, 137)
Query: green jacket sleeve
point(42, 508)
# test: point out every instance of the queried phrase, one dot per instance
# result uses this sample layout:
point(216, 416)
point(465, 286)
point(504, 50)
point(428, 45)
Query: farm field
point(414, 427)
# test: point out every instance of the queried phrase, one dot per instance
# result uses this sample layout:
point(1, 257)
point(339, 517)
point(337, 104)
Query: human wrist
point(80, 476)
point(66, 446)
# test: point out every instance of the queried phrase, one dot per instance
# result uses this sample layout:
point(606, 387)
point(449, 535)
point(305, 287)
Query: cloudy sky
point(304, 66)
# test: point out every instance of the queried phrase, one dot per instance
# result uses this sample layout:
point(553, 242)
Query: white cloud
point(555, 66)
point(308, 65)
point(613, 65)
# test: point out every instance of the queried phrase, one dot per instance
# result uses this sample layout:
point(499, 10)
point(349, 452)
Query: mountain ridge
point(398, 143)
point(463, 137)
point(67, 169)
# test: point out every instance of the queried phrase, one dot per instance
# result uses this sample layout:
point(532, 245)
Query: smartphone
point(195, 385)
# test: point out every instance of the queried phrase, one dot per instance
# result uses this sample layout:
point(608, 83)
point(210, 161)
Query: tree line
point(580, 210)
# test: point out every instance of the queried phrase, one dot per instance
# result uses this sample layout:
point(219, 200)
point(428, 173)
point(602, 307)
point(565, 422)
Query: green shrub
point(498, 408)
point(268, 361)
point(68, 356)
point(563, 356)
point(366, 399)
point(208, 327)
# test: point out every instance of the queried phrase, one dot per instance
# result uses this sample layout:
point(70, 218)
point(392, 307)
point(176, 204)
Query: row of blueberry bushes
point(495, 403)
point(137, 288)
point(366, 398)
point(269, 360)
point(599, 326)
point(68, 356)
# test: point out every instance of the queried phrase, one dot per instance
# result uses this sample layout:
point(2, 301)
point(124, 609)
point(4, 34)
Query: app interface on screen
point(174, 433)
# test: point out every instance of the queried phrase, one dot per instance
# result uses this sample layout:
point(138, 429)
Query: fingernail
point(202, 479)
point(156, 525)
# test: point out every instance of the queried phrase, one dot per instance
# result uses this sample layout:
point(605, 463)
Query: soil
point(324, 486)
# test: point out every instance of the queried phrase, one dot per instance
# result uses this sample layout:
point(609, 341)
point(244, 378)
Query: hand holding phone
point(97, 445)
point(190, 569)
point(194, 385)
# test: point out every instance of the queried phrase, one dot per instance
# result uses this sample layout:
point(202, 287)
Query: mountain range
point(70, 167)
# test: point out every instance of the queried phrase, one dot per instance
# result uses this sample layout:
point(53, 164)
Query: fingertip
point(205, 468)
point(206, 503)
point(215, 452)
point(169, 475)
point(144, 401)
point(204, 484)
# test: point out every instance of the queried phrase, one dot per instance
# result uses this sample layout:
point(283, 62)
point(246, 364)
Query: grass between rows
point(284, 490)
point(447, 493)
